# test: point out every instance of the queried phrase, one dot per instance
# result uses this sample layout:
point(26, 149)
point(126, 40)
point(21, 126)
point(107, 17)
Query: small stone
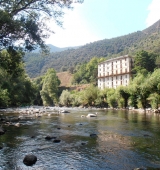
point(93, 135)
point(48, 137)
point(33, 136)
point(29, 160)
point(56, 141)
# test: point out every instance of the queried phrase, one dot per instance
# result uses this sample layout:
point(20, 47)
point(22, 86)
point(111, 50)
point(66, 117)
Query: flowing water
point(120, 140)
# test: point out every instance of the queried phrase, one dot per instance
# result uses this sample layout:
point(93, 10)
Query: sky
point(95, 20)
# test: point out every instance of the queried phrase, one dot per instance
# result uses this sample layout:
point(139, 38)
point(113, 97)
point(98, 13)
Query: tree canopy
point(49, 92)
point(25, 21)
point(144, 62)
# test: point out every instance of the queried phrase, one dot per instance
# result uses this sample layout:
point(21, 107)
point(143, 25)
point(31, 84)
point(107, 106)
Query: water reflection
point(120, 140)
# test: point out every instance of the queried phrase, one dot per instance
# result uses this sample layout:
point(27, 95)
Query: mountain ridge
point(54, 49)
point(147, 39)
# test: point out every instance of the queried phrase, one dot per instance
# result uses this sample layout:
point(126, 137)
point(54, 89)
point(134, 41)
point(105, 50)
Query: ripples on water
point(125, 140)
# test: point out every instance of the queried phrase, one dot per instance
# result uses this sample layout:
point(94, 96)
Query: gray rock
point(29, 160)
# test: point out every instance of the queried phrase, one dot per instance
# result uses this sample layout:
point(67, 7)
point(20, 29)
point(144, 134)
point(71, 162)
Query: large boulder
point(29, 160)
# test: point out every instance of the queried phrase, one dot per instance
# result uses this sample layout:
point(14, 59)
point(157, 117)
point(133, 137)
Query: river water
point(120, 140)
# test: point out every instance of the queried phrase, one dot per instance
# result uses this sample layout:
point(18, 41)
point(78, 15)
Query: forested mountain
point(148, 39)
point(53, 48)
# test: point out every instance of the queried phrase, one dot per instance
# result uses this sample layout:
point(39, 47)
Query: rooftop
point(117, 58)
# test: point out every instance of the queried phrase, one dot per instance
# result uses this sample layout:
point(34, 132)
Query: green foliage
point(111, 98)
point(89, 95)
point(65, 98)
point(101, 98)
point(144, 62)
point(16, 87)
point(158, 61)
point(49, 92)
point(87, 72)
point(38, 86)
point(142, 88)
point(76, 98)
point(143, 91)
point(154, 100)
point(25, 21)
point(4, 97)
point(124, 94)
point(138, 87)
point(11, 62)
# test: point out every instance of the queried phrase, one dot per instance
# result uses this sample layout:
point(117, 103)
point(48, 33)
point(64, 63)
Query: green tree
point(65, 98)
point(4, 97)
point(25, 20)
point(38, 86)
point(90, 95)
point(101, 98)
point(124, 93)
point(14, 82)
point(49, 92)
point(11, 62)
point(77, 98)
point(154, 100)
point(87, 72)
point(138, 87)
point(79, 76)
point(92, 70)
point(111, 98)
point(144, 62)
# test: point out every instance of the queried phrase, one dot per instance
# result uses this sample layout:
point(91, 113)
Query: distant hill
point(54, 49)
point(148, 39)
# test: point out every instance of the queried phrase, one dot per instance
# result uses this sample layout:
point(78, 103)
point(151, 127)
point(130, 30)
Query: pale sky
point(96, 20)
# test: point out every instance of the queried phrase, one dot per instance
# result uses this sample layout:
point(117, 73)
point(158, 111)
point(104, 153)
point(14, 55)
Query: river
point(114, 140)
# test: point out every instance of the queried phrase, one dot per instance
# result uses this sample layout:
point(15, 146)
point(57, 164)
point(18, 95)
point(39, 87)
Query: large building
point(115, 72)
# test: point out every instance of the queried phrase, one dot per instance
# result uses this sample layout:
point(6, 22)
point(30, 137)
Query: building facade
point(115, 72)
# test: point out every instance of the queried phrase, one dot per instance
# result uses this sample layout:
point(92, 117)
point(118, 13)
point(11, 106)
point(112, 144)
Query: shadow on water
point(112, 140)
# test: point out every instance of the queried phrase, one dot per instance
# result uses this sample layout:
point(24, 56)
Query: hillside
point(148, 39)
point(65, 78)
point(54, 49)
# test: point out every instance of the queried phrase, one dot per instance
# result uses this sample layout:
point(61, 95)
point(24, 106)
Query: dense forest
point(143, 90)
point(148, 39)
point(21, 23)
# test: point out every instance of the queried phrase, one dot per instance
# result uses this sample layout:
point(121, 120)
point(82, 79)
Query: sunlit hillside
point(65, 78)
